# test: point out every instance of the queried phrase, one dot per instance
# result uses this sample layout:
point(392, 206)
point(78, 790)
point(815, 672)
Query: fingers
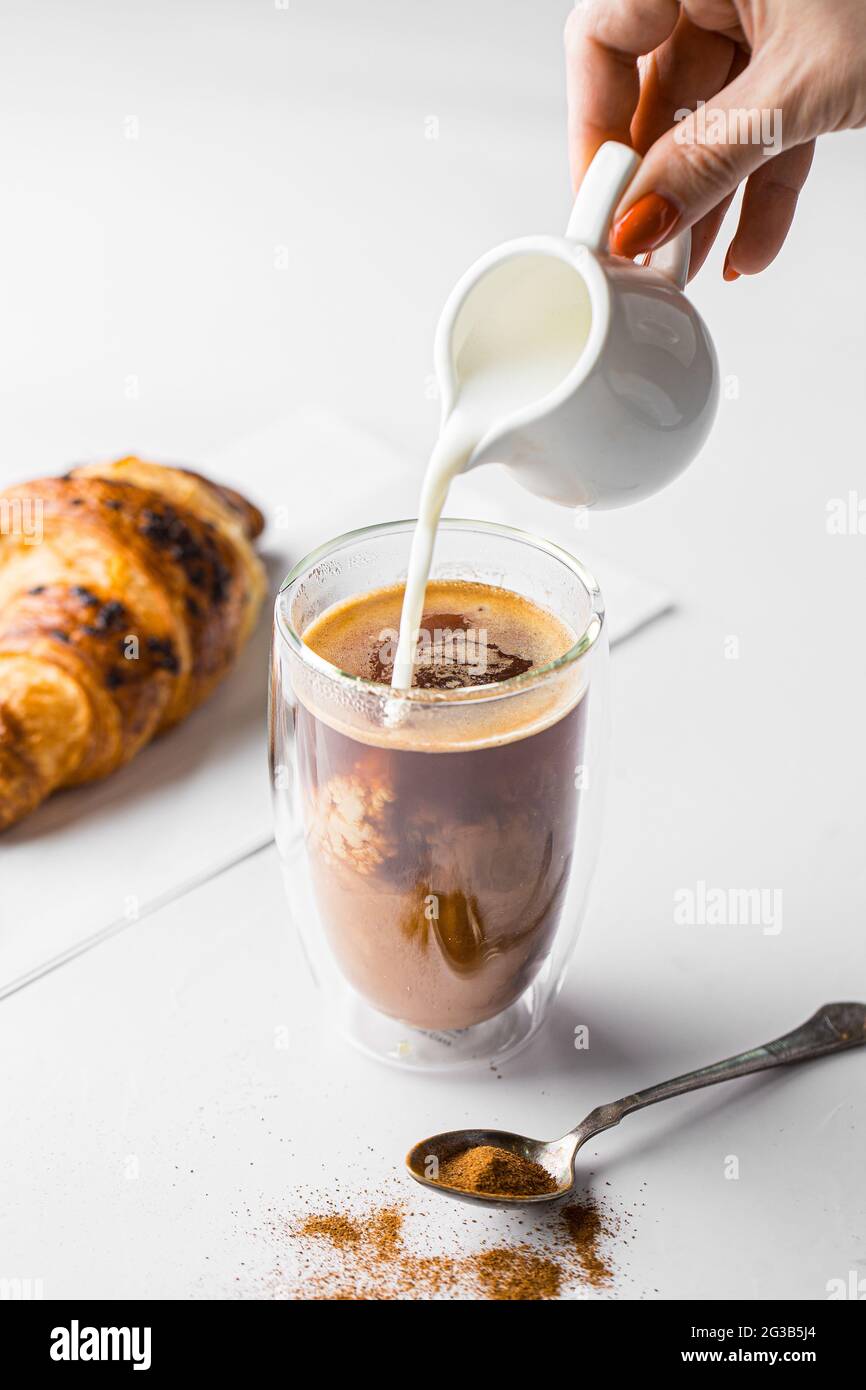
point(704, 234)
point(768, 209)
point(603, 40)
point(706, 229)
point(689, 65)
point(693, 167)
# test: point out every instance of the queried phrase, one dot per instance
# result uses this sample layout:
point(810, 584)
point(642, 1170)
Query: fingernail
point(644, 227)
point(728, 272)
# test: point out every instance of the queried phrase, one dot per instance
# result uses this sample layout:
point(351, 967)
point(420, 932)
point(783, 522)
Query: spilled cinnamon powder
point(518, 1273)
point(379, 1234)
point(584, 1225)
point(498, 1172)
point(341, 1255)
point(342, 1231)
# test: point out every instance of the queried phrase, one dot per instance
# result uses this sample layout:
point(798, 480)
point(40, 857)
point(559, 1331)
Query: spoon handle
point(833, 1028)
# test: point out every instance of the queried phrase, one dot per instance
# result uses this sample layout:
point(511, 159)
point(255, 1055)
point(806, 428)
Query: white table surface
point(153, 1118)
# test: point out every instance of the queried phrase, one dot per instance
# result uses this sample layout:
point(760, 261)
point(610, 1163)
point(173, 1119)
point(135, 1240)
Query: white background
point(280, 234)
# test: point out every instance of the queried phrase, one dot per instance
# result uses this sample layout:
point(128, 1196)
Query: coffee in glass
point(434, 839)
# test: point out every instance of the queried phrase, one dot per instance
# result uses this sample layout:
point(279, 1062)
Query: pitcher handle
point(608, 176)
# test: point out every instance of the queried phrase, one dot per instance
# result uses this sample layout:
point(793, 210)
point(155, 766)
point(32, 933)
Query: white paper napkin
point(197, 801)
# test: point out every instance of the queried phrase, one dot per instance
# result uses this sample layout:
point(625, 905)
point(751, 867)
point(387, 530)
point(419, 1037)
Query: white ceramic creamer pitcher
point(640, 385)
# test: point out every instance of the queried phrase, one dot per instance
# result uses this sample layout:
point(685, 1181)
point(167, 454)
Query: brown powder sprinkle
point(375, 1263)
point(517, 1273)
point(384, 1232)
point(379, 1232)
point(498, 1172)
point(583, 1222)
point(341, 1254)
point(341, 1230)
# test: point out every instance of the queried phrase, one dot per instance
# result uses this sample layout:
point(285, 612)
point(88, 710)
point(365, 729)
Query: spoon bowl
point(554, 1155)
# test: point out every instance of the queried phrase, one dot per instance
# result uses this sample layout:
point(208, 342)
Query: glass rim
point(584, 643)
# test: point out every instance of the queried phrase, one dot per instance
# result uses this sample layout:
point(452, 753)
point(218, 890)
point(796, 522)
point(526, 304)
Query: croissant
point(126, 592)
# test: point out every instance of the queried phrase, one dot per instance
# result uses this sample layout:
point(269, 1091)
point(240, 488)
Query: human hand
point(785, 71)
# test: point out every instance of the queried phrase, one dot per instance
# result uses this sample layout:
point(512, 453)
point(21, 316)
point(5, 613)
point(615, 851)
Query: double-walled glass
point(438, 845)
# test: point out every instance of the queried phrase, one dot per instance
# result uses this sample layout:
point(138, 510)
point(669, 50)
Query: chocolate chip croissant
point(126, 592)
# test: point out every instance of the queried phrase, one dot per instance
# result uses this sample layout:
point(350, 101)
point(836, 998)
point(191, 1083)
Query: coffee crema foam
point(471, 635)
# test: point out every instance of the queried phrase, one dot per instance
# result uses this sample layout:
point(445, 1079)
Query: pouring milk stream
point(533, 332)
point(594, 379)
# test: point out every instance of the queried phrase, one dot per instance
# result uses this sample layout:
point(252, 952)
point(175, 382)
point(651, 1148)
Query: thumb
point(699, 162)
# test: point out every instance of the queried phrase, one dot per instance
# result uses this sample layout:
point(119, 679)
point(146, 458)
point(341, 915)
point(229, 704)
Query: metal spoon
point(833, 1028)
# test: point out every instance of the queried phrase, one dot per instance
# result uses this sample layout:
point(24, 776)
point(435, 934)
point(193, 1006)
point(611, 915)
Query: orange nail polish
point(644, 227)
point(728, 272)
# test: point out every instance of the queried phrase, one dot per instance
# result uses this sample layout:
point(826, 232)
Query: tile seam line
point(121, 924)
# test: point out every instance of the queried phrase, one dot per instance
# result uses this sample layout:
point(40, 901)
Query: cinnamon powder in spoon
point(496, 1172)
